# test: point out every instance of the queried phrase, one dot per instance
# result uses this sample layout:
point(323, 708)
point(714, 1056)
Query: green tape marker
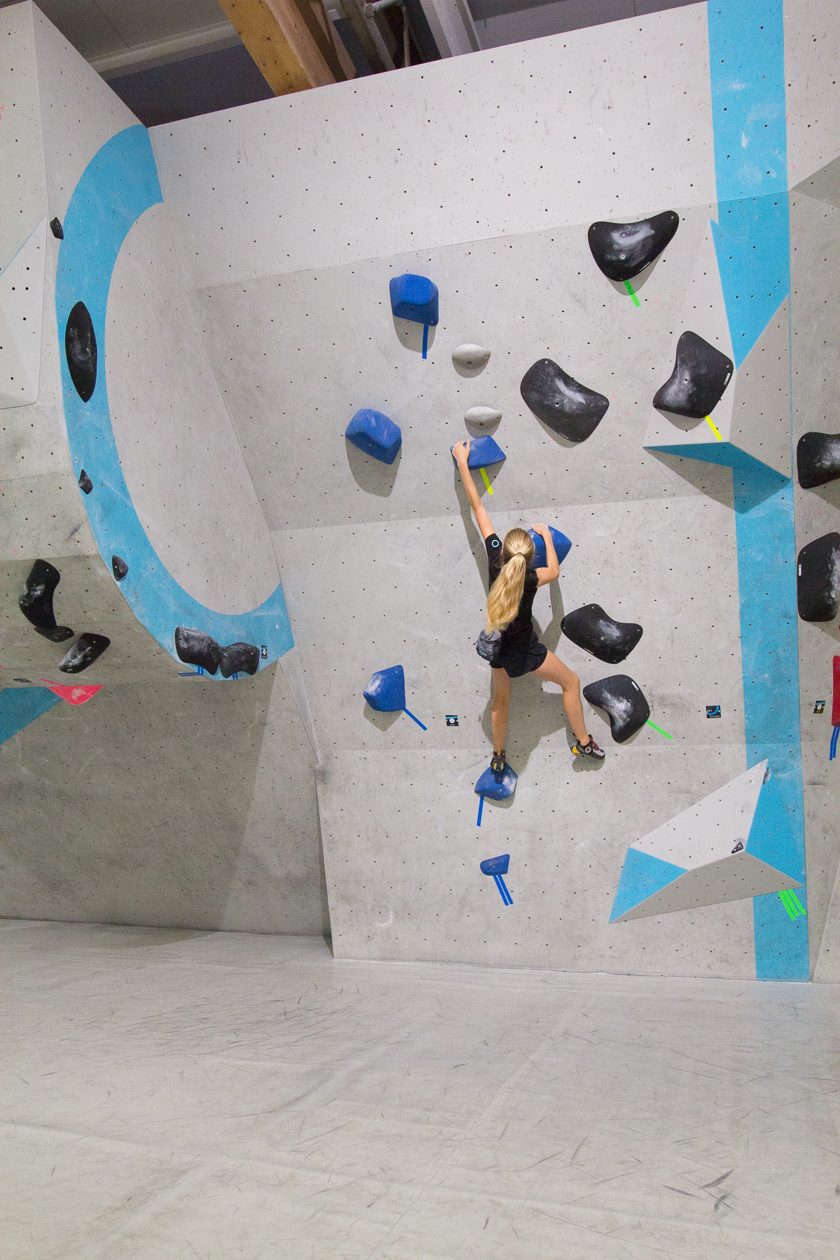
point(792, 904)
point(628, 286)
point(659, 729)
point(486, 480)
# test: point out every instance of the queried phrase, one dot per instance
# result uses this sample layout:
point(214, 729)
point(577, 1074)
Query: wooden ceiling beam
point(289, 40)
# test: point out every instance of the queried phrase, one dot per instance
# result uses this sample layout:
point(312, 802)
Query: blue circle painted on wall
point(119, 184)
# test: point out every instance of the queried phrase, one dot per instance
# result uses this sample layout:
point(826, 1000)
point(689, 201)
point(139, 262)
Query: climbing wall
point(248, 319)
point(484, 174)
point(811, 56)
point(815, 260)
point(133, 789)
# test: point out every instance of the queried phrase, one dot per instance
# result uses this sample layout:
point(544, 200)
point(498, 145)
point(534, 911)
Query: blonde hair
point(506, 592)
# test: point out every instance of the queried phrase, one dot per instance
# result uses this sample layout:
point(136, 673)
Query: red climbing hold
point(73, 695)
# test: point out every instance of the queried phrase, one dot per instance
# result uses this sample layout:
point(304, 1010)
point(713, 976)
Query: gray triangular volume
point(732, 878)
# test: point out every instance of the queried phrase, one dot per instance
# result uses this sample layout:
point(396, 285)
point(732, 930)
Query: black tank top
point(520, 631)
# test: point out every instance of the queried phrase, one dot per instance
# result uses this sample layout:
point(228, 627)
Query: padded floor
point(172, 1095)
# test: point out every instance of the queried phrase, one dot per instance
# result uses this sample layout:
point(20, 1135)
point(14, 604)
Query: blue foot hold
point(497, 787)
point(386, 692)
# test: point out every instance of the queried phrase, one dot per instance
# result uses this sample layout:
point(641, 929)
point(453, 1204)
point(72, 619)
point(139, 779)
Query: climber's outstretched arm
point(461, 451)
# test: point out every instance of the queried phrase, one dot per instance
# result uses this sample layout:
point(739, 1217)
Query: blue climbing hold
point(485, 451)
point(496, 866)
point(376, 434)
point(415, 298)
point(386, 690)
point(497, 787)
point(386, 693)
point(562, 545)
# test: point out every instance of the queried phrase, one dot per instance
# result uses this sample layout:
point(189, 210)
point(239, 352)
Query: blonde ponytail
point(507, 590)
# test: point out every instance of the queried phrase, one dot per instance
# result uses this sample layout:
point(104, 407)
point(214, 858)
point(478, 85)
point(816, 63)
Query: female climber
point(513, 586)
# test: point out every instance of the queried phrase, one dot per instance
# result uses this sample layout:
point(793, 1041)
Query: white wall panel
point(178, 450)
point(812, 55)
point(556, 131)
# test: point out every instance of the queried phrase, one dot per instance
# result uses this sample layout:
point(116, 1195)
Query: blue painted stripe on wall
point(21, 705)
point(746, 57)
point(119, 184)
point(642, 875)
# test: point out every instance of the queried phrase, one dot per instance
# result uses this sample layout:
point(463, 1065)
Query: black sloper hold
point(597, 632)
point(622, 250)
point(194, 647)
point(240, 658)
point(818, 579)
point(36, 602)
point(567, 407)
point(56, 229)
point(701, 374)
point(80, 349)
point(85, 483)
point(818, 459)
point(623, 702)
point(87, 648)
point(119, 568)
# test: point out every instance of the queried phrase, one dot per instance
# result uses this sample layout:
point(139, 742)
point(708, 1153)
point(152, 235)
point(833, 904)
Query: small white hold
point(483, 417)
point(470, 355)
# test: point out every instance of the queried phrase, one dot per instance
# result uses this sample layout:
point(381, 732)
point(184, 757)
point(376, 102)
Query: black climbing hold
point(701, 374)
point(818, 579)
point(568, 408)
point(240, 658)
point(36, 602)
point(85, 483)
point(80, 349)
point(622, 701)
point(597, 632)
point(56, 228)
point(118, 567)
point(622, 250)
point(818, 459)
point(194, 647)
point(87, 648)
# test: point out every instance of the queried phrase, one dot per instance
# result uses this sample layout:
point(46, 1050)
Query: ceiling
point(171, 59)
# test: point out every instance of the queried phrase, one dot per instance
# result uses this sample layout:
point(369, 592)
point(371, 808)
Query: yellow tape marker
point(486, 481)
point(710, 422)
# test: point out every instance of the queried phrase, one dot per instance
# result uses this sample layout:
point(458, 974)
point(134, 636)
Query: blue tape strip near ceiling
point(752, 239)
point(116, 188)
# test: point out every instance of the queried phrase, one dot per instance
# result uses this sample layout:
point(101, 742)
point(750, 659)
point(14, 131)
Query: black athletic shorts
point(517, 662)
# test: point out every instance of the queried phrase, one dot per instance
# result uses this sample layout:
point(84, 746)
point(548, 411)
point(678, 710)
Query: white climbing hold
point(483, 417)
point(470, 355)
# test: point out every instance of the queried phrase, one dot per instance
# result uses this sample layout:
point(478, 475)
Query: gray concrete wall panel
point(276, 345)
point(815, 297)
point(512, 140)
point(164, 804)
point(179, 453)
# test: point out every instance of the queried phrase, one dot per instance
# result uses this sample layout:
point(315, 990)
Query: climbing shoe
point(497, 765)
point(588, 750)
